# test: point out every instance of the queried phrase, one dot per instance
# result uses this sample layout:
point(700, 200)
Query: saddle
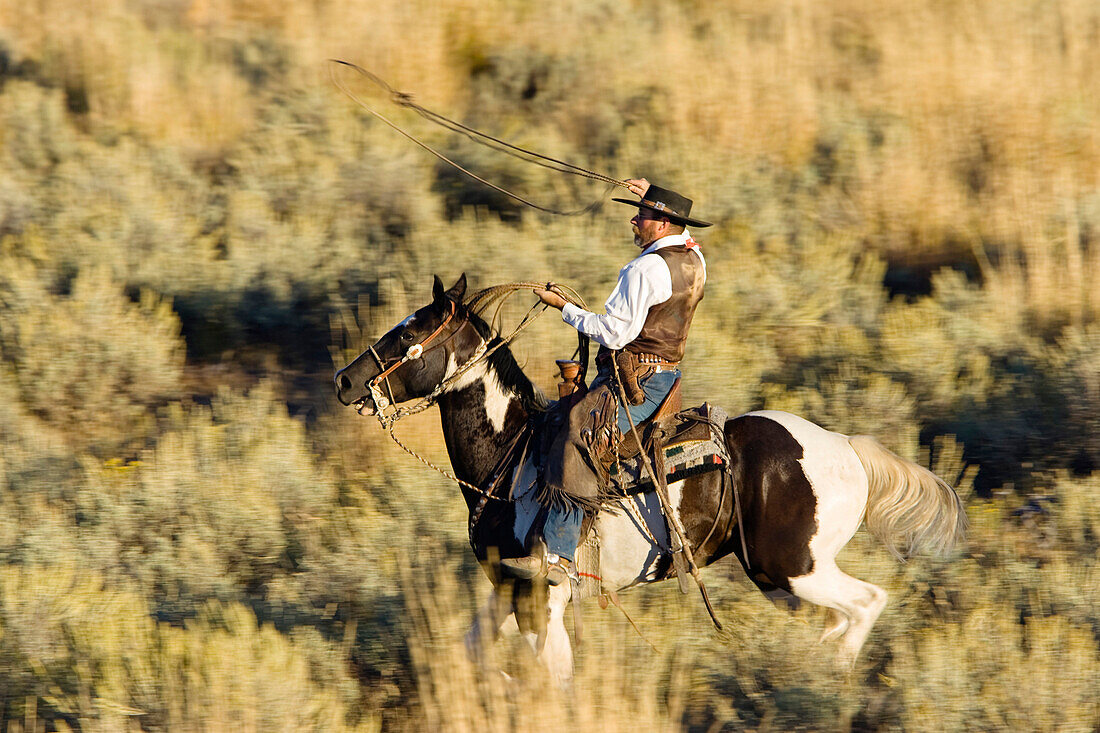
point(683, 442)
point(680, 442)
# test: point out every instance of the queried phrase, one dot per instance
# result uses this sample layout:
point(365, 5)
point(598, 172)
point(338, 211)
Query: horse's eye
point(406, 336)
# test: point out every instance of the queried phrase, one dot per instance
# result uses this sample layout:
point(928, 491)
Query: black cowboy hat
point(668, 204)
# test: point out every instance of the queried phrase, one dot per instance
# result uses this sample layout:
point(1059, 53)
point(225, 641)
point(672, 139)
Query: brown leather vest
point(666, 325)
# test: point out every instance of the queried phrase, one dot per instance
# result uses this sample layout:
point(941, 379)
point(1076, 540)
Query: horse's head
point(415, 356)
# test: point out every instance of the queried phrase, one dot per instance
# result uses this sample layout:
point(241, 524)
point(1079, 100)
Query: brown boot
point(524, 567)
point(555, 569)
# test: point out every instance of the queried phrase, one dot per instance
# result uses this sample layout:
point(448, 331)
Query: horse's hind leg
point(855, 606)
point(836, 623)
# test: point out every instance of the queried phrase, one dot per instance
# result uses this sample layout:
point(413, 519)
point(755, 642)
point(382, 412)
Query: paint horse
point(803, 490)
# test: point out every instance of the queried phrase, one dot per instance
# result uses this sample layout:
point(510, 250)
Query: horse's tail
point(909, 508)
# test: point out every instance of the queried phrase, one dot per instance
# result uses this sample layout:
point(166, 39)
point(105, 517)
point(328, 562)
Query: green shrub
point(993, 673)
point(1077, 382)
point(229, 501)
point(89, 360)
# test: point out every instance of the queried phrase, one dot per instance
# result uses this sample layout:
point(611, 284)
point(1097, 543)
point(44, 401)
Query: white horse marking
point(628, 556)
point(496, 398)
point(836, 476)
point(858, 603)
point(488, 625)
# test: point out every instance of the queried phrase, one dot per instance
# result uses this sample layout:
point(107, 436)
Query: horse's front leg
point(493, 619)
point(556, 653)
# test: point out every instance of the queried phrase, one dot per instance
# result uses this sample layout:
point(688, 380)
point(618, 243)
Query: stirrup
point(559, 570)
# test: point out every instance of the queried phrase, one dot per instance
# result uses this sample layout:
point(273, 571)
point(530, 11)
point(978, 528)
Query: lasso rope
point(480, 301)
point(404, 100)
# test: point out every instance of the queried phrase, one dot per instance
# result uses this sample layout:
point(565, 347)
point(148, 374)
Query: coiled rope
point(483, 299)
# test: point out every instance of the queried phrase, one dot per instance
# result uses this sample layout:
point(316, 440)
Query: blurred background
point(196, 228)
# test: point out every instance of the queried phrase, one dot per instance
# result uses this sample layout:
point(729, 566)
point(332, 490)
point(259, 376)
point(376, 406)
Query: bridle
point(413, 353)
point(382, 402)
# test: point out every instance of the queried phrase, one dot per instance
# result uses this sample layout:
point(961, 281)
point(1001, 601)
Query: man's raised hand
point(637, 186)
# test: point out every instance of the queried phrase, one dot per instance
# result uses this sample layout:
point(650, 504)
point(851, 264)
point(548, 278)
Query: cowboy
point(644, 329)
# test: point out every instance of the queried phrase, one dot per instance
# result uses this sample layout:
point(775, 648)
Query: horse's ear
point(458, 290)
point(438, 295)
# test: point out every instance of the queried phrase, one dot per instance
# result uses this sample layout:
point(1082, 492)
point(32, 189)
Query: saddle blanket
point(682, 460)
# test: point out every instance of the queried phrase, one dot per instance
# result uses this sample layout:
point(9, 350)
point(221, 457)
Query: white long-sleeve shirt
point(643, 283)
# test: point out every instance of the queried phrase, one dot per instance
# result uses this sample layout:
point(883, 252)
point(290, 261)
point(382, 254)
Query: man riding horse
point(644, 330)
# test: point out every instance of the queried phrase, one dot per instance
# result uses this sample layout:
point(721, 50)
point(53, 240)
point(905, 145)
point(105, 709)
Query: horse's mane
point(508, 371)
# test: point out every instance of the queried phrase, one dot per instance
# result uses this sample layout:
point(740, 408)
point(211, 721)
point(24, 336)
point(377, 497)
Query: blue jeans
point(562, 530)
